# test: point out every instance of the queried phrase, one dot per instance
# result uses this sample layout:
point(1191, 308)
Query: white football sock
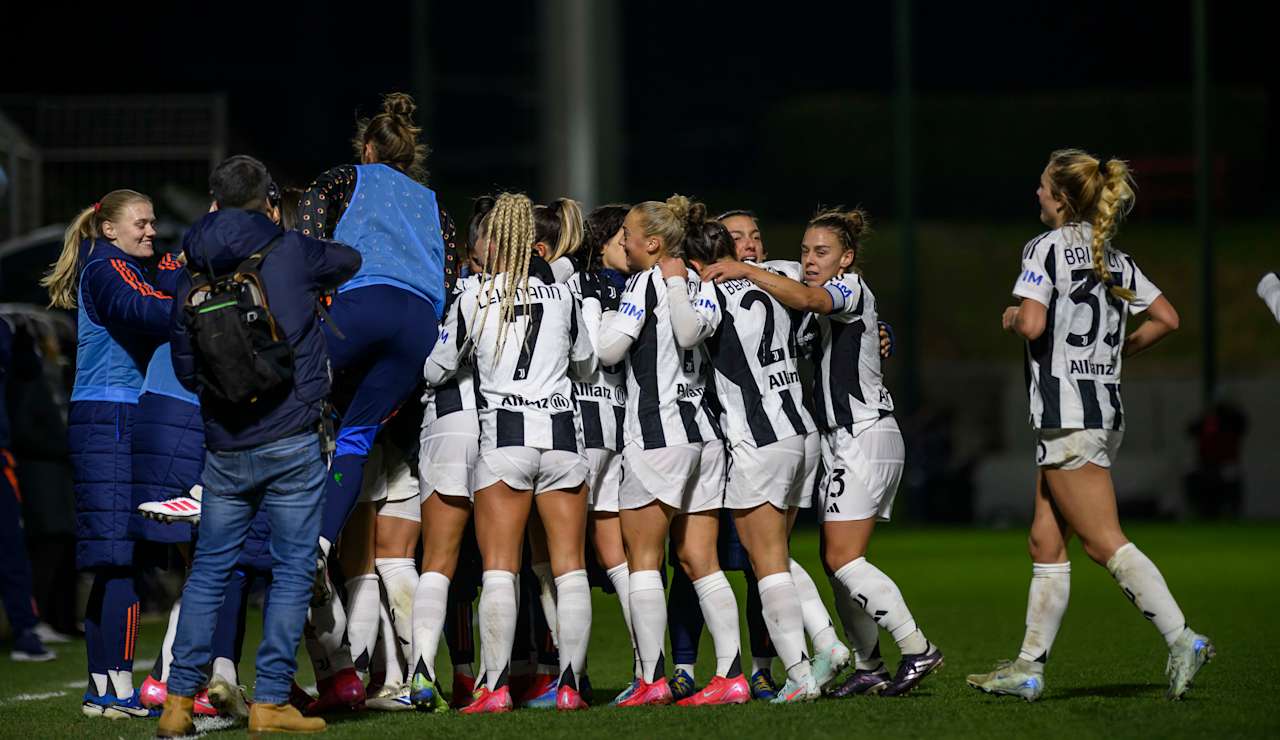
point(325, 634)
point(122, 682)
point(649, 621)
point(1046, 603)
point(762, 664)
point(101, 681)
point(687, 668)
point(720, 612)
point(364, 599)
point(782, 615)
point(817, 623)
point(429, 606)
point(166, 647)
point(225, 668)
point(1145, 587)
point(860, 630)
point(389, 658)
point(879, 596)
point(619, 575)
point(547, 597)
point(573, 618)
point(497, 623)
point(399, 583)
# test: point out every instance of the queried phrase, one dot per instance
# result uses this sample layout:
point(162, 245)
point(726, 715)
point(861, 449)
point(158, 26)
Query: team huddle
point(558, 400)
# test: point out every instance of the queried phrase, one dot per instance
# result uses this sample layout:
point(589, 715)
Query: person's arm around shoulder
point(788, 292)
point(331, 263)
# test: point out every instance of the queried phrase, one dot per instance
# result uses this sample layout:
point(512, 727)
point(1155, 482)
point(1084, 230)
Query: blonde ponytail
point(1115, 200)
point(560, 226)
point(63, 276)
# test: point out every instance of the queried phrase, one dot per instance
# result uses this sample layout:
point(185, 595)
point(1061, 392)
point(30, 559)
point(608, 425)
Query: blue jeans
point(287, 477)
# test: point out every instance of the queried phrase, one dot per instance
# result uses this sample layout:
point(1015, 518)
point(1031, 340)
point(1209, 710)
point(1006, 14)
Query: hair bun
point(679, 206)
point(399, 104)
point(856, 221)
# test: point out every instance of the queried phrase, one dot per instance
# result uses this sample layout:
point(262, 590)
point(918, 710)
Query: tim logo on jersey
point(631, 310)
point(1031, 277)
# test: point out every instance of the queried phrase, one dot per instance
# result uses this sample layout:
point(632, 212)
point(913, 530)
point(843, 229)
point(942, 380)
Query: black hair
point(240, 181)
point(709, 243)
point(480, 208)
point(602, 223)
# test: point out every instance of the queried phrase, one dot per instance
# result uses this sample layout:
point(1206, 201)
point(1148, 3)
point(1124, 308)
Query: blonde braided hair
point(508, 229)
point(1101, 193)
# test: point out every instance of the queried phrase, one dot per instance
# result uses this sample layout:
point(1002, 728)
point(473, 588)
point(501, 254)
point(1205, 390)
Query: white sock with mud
point(720, 612)
point(1141, 581)
point(400, 584)
point(1046, 603)
point(879, 597)
point(784, 617)
point(364, 599)
point(497, 623)
point(325, 635)
point(547, 597)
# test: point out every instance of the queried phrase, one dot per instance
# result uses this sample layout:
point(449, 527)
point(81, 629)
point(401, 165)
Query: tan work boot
point(177, 718)
point(281, 718)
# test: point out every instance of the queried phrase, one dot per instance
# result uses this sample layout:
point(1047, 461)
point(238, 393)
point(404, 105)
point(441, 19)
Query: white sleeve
point(442, 363)
point(790, 268)
point(562, 269)
point(592, 316)
point(1145, 292)
point(1033, 282)
point(846, 296)
point(612, 342)
point(582, 353)
point(1269, 292)
point(691, 321)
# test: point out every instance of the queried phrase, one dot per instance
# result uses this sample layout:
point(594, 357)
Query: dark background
point(726, 101)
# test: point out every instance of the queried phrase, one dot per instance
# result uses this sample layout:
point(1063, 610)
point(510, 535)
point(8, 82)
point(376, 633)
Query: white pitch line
point(36, 697)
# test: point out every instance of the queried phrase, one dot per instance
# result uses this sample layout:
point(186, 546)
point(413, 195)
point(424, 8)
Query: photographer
point(262, 451)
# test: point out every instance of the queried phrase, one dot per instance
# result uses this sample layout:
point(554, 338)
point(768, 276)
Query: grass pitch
point(967, 589)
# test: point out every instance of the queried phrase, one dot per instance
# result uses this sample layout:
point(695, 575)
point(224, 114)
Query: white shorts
point(862, 471)
point(604, 477)
point(410, 508)
point(772, 474)
point(530, 469)
point(387, 476)
point(688, 478)
point(1068, 449)
point(449, 448)
point(812, 458)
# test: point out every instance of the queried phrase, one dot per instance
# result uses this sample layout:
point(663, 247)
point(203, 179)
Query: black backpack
point(242, 354)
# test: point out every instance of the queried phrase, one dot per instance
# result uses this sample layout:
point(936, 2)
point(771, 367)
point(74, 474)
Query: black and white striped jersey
point(459, 392)
point(666, 385)
point(754, 358)
point(1073, 368)
point(790, 268)
point(525, 393)
point(848, 387)
point(602, 398)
